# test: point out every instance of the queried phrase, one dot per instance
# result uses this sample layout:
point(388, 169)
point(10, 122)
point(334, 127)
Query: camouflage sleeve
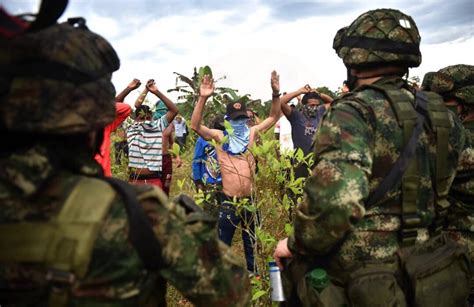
point(199, 265)
point(335, 194)
point(461, 194)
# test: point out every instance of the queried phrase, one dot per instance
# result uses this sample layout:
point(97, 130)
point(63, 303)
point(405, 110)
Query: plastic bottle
point(276, 286)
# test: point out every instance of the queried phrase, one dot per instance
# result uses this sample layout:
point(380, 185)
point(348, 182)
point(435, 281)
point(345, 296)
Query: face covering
point(239, 139)
point(159, 114)
point(160, 110)
point(308, 111)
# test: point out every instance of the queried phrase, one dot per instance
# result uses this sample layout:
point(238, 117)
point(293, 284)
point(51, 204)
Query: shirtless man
point(236, 162)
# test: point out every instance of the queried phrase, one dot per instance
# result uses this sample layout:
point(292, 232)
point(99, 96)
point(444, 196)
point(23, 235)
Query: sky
point(245, 40)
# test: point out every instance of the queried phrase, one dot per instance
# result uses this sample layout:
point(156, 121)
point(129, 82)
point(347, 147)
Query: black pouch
point(437, 273)
point(375, 284)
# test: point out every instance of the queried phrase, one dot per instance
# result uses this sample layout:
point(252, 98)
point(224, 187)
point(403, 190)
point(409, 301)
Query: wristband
point(276, 95)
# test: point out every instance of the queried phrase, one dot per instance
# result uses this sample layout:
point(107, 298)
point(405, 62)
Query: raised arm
point(285, 108)
point(172, 109)
point(142, 96)
point(275, 110)
point(327, 99)
point(206, 90)
point(130, 87)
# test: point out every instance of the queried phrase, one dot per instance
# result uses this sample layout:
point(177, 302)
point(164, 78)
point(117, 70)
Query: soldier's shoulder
point(363, 98)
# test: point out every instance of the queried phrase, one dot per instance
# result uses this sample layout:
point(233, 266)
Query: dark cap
point(236, 109)
point(142, 111)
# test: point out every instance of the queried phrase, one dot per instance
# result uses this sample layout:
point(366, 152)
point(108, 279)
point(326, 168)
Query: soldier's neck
point(369, 76)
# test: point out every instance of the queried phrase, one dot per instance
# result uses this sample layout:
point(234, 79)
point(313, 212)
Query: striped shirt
point(145, 144)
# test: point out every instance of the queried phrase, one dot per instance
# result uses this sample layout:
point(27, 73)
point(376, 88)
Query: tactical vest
point(65, 243)
point(439, 123)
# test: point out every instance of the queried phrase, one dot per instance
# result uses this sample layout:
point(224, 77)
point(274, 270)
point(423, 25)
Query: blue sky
point(245, 40)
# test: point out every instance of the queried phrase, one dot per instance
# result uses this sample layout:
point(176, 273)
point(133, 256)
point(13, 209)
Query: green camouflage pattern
point(463, 79)
point(455, 81)
point(387, 24)
point(437, 82)
point(336, 44)
point(195, 262)
point(358, 141)
point(76, 96)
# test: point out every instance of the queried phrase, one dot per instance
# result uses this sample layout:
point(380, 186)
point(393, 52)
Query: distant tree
point(327, 91)
point(189, 88)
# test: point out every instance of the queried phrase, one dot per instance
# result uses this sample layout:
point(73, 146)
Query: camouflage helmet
point(453, 81)
point(57, 80)
point(463, 79)
point(379, 37)
point(437, 82)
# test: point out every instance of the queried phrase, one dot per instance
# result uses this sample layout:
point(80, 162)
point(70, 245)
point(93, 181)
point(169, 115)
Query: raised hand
point(305, 89)
point(207, 86)
point(275, 82)
point(151, 86)
point(134, 84)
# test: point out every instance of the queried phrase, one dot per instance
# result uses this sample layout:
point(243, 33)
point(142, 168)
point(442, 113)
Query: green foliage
point(274, 196)
point(327, 91)
point(189, 88)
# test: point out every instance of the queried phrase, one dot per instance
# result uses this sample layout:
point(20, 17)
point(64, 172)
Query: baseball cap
point(236, 109)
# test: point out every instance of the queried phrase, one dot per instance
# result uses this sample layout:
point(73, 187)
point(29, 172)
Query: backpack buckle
point(59, 278)
point(411, 220)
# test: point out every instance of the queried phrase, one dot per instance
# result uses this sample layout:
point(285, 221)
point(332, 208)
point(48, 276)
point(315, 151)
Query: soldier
point(69, 237)
point(456, 84)
point(385, 157)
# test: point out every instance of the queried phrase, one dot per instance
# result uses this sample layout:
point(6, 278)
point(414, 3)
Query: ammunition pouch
point(376, 283)
point(332, 295)
point(436, 273)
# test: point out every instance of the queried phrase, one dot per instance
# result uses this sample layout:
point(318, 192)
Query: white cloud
point(245, 43)
point(110, 27)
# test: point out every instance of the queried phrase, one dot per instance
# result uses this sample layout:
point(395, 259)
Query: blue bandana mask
point(239, 139)
point(160, 110)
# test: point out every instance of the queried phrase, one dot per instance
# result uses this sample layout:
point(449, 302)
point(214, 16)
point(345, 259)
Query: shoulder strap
point(141, 233)
point(412, 119)
point(441, 123)
point(65, 242)
point(412, 125)
point(405, 168)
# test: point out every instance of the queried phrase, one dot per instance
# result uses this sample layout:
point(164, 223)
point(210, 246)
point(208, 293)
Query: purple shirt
point(303, 128)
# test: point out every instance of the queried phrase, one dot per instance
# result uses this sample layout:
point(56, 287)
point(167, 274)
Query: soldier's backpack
point(64, 244)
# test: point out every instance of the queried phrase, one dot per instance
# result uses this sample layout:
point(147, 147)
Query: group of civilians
point(225, 172)
point(148, 138)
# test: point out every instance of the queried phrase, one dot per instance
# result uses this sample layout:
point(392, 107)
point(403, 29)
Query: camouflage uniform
point(456, 83)
point(356, 146)
point(55, 87)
